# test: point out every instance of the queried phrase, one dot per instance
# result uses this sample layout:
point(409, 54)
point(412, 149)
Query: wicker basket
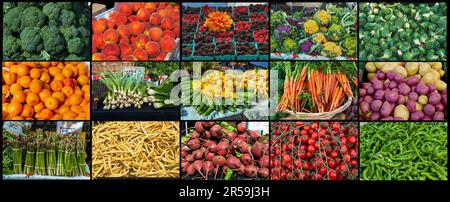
point(320, 116)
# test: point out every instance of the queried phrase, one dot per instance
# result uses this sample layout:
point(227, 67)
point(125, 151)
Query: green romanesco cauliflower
point(290, 45)
point(350, 45)
point(335, 32)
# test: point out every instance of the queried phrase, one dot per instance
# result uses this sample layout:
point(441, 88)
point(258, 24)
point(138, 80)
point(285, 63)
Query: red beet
point(219, 160)
point(194, 144)
point(254, 135)
point(211, 145)
point(208, 124)
point(198, 154)
point(209, 155)
point(233, 162)
point(222, 148)
point(246, 159)
point(231, 136)
point(242, 127)
point(183, 153)
point(195, 134)
point(198, 164)
point(264, 161)
point(263, 172)
point(207, 167)
point(190, 170)
point(257, 150)
point(184, 165)
point(199, 127)
point(207, 135)
point(190, 158)
point(216, 131)
point(243, 136)
point(251, 171)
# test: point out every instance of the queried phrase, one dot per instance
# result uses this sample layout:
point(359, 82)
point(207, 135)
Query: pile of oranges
point(45, 91)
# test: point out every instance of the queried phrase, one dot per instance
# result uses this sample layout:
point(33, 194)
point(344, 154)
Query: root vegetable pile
point(219, 150)
point(135, 149)
point(404, 151)
point(314, 151)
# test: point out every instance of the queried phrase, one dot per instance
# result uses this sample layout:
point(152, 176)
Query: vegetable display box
point(247, 27)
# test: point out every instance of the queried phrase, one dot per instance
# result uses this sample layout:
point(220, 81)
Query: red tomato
point(332, 175)
point(351, 139)
point(343, 167)
point(314, 125)
point(353, 152)
point(298, 123)
point(323, 171)
point(354, 162)
point(334, 154)
point(331, 163)
point(311, 141)
point(347, 158)
point(314, 135)
point(311, 149)
point(287, 158)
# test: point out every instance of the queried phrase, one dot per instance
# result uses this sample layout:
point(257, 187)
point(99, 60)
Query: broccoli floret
point(74, 45)
point(54, 42)
point(11, 47)
point(12, 18)
point(32, 17)
point(65, 5)
point(67, 18)
point(31, 40)
point(52, 10)
point(73, 57)
point(85, 35)
point(69, 32)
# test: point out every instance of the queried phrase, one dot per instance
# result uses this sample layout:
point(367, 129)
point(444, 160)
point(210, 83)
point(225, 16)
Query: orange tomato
point(83, 80)
point(39, 107)
point(56, 85)
point(24, 81)
point(14, 88)
point(59, 77)
point(68, 91)
point(54, 71)
point(36, 86)
point(78, 91)
point(33, 99)
point(60, 96)
point(82, 70)
point(45, 77)
point(44, 94)
point(74, 99)
point(22, 70)
point(35, 73)
point(51, 103)
point(9, 78)
point(14, 108)
point(20, 96)
point(27, 111)
point(46, 114)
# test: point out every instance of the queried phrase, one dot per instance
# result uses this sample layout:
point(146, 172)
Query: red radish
point(257, 150)
point(208, 124)
point(183, 153)
point(184, 165)
point(233, 162)
point(209, 155)
point(222, 148)
point(219, 160)
point(198, 165)
point(246, 159)
point(241, 170)
point(242, 127)
point(190, 158)
point(210, 145)
point(207, 135)
point(251, 171)
point(216, 131)
point(199, 127)
point(263, 172)
point(243, 136)
point(207, 167)
point(264, 161)
point(194, 144)
point(231, 136)
point(254, 135)
point(190, 170)
point(195, 134)
point(198, 154)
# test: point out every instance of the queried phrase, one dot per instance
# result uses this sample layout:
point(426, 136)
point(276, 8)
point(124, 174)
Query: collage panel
point(313, 90)
point(38, 31)
point(224, 91)
point(403, 91)
point(313, 31)
point(224, 150)
point(132, 31)
point(225, 31)
point(136, 150)
point(134, 91)
point(316, 150)
point(403, 31)
point(46, 150)
point(46, 90)
point(404, 151)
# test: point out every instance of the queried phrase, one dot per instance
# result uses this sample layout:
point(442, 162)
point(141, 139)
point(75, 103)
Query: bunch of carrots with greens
point(316, 86)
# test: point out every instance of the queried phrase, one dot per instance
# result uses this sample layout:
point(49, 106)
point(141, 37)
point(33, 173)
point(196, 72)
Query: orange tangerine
point(35, 73)
point(5, 89)
point(9, 77)
point(44, 94)
point(46, 114)
point(24, 81)
point(51, 103)
point(45, 64)
point(32, 99)
point(57, 117)
point(36, 86)
point(56, 85)
point(82, 70)
point(5, 107)
point(69, 115)
point(27, 111)
point(67, 72)
point(68, 91)
point(17, 118)
point(14, 88)
point(45, 77)
point(82, 80)
point(54, 71)
point(60, 96)
point(76, 108)
point(59, 77)
point(20, 96)
point(22, 70)
point(63, 109)
point(39, 107)
point(14, 108)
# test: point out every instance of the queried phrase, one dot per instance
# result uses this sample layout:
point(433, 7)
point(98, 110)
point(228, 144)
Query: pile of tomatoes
point(45, 91)
point(314, 151)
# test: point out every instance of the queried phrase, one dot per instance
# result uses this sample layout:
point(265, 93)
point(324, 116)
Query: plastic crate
point(247, 57)
point(226, 57)
point(192, 52)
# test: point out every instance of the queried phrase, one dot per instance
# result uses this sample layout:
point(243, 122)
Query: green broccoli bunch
point(46, 31)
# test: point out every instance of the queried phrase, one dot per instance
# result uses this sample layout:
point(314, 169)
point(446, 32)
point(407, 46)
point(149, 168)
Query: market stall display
point(314, 151)
point(45, 91)
point(46, 31)
point(315, 90)
point(313, 31)
point(221, 31)
point(136, 149)
point(224, 150)
point(134, 92)
point(225, 91)
point(46, 154)
point(403, 31)
point(137, 31)
point(403, 91)
point(414, 151)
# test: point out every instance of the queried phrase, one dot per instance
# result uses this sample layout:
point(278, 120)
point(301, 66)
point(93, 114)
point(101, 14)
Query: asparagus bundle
point(81, 145)
point(70, 161)
point(17, 149)
point(51, 157)
point(30, 158)
point(39, 167)
point(60, 170)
